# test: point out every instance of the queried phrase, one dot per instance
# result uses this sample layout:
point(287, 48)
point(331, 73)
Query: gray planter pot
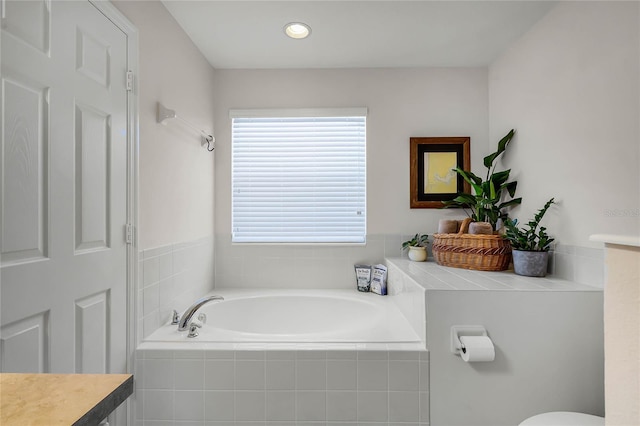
point(530, 263)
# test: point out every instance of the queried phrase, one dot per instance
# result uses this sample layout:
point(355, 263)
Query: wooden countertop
point(61, 399)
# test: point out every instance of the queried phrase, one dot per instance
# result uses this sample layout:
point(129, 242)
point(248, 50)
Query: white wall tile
point(158, 373)
point(219, 406)
point(219, 354)
point(342, 405)
point(424, 407)
point(404, 355)
point(158, 405)
point(281, 405)
point(188, 354)
point(372, 406)
point(139, 402)
point(341, 374)
point(424, 376)
point(342, 355)
point(179, 260)
point(150, 323)
point(250, 375)
point(189, 405)
point(151, 295)
point(159, 423)
point(165, 266)
point(280, 375)
point(151, 271)
point(590, 271)
point(250, 405)
point(311, 354)
point(219, 374)
point(373, 375)
point(404, 375)
point(188, 374)
point(404, 407)
point(373, 355)
point(311, 374)
point(311, 405)
point(254, 355)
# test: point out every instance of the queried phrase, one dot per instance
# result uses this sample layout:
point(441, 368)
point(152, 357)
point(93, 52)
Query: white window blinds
point(299, 176)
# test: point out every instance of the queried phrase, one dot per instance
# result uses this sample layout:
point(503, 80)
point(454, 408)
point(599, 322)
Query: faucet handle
point(193, 329)
point(175, 318)
point(202, 317)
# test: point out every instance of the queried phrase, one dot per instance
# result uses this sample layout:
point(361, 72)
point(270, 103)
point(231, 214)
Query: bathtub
point(297, 316)
point(278, 357)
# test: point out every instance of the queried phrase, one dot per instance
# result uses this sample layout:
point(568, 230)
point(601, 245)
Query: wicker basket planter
point(470, 251)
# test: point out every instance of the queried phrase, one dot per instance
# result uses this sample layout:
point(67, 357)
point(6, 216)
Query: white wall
point(402, 103)
point(176, 173)
point(570, 88)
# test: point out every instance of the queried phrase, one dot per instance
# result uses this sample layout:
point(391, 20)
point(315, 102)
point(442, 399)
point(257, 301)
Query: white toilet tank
point(563, 418)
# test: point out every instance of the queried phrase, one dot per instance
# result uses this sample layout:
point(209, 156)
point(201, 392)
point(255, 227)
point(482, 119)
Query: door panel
point(24, 195)
point(24, 344)
point(64, 189)
point(29, 22)
point(92, 178)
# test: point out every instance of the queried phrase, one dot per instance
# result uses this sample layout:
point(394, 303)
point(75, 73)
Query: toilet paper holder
point(464, 330)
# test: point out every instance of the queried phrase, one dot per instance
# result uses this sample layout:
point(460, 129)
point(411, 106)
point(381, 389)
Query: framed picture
point(432, 178)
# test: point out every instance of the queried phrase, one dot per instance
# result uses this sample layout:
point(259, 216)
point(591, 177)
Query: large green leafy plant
point(527, 239)
point(492, 195)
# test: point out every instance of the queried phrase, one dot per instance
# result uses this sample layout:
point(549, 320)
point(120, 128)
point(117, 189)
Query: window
point(299, 176)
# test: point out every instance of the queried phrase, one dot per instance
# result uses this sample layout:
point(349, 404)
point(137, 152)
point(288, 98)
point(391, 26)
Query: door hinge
point(129, 81)
point(128, 233)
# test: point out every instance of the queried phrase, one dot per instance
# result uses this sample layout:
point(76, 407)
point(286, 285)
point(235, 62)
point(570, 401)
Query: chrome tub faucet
point(185, 319)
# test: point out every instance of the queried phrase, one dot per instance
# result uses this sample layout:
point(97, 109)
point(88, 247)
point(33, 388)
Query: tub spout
point(185, 319)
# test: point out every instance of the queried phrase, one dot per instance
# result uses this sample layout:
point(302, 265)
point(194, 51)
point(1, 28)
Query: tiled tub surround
point(548, 336)
point(283, 386)
point(311, 266)
point(172, 277)
point(584, 265)
point(328, 266)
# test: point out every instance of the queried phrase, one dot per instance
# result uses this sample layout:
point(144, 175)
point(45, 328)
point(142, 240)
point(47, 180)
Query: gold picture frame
point(431, 162)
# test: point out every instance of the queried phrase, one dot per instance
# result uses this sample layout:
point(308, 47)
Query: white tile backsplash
point(584, 265)
point(297, 266)
point(172, 277)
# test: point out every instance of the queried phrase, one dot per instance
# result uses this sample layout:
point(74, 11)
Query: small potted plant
point(530, 245)
point(417, 247)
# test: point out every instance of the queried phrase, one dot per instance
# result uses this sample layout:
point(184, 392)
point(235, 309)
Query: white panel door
point(64, 190)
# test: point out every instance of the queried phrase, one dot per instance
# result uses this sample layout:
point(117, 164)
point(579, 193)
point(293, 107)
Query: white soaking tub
point(296, 316)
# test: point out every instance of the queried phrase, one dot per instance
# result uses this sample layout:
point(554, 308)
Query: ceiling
point(355, 34)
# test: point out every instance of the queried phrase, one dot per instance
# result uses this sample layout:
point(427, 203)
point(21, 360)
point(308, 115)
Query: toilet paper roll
point(477, 349)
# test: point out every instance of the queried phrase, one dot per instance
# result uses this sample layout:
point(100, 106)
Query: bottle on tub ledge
point(379, 280)
point(373, 279)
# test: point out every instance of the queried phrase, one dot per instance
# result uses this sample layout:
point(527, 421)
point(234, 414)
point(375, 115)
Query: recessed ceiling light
point(297, 30)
